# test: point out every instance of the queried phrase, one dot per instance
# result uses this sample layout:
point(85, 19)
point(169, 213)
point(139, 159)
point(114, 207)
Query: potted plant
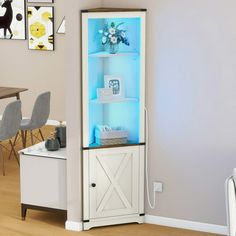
point(112, 36)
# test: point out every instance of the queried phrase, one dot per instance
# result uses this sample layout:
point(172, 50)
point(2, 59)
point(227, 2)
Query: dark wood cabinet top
point(112, 10)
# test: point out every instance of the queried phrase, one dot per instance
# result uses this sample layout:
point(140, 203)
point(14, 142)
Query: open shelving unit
point(127, 64)
point(124, 73)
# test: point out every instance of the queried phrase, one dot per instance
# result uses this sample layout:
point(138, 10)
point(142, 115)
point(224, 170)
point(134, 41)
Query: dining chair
point(38, 118)
point(9, 126)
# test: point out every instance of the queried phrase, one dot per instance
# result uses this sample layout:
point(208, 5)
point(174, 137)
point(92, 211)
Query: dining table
point(8, 92)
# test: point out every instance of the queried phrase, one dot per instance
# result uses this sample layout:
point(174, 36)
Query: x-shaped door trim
point(113, 182)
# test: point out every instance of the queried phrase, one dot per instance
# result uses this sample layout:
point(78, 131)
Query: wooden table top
point(7, 92)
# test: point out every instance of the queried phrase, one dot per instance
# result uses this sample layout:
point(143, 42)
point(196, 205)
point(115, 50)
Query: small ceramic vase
point(52, 143)
point(61, 134)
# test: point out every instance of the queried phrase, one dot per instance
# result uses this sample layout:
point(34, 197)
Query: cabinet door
point(114, 181)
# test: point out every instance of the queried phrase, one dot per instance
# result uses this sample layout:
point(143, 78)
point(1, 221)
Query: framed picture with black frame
point(41, 28)
point(13, 19)
point(62, 28)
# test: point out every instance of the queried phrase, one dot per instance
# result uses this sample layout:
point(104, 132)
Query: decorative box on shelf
point(110, 136)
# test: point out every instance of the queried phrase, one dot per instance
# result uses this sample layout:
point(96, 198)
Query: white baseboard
point(74, 226)
point(185, 224)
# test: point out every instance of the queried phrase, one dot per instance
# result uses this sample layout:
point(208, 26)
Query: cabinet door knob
point(93, 185)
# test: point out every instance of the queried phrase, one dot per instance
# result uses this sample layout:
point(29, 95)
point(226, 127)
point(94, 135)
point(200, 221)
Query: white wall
point(38, 71)
point(191, 98)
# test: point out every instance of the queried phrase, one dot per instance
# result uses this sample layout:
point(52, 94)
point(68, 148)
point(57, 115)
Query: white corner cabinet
point(42, 179)
point(113, 121)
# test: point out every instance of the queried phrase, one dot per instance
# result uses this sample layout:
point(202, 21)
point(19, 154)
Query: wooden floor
point(51, 224)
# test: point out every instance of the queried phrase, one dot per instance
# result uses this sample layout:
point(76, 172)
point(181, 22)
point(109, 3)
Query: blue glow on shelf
point(125, 114)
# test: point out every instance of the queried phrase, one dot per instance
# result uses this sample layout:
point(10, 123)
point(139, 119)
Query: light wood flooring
point(52, 224)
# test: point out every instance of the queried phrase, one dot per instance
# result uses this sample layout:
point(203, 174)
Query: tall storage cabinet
point(113, 102)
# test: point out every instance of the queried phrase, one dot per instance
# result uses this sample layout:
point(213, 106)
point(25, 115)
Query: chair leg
point(14, 143)
point(41, 134)
point(14, 151)
point(32, 137)
point(23, 138)
point(26, 132)
point(3, 161)
point(37, 137)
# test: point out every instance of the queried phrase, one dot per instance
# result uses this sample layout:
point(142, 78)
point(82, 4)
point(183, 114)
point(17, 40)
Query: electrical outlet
point(158, 187)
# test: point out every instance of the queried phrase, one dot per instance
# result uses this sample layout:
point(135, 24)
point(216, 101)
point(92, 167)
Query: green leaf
point(119, 25)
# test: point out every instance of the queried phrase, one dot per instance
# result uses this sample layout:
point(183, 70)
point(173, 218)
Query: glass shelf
point(98, 146)
point(114, 101)
point(119, 54)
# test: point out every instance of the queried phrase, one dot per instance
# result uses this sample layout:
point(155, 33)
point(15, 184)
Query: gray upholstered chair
point(38, 118)
point(9, 127)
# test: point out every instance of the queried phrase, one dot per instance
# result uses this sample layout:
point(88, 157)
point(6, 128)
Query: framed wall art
point(115, 83)
point(12, 19)
point(41, 28)
point(62, 27)
point(40, 1)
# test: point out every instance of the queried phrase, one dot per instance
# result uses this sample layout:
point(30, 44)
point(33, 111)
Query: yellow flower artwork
point(40, 46)
point(46, 16)
point(41, 28)
point(37, 30)
point(29, 13)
